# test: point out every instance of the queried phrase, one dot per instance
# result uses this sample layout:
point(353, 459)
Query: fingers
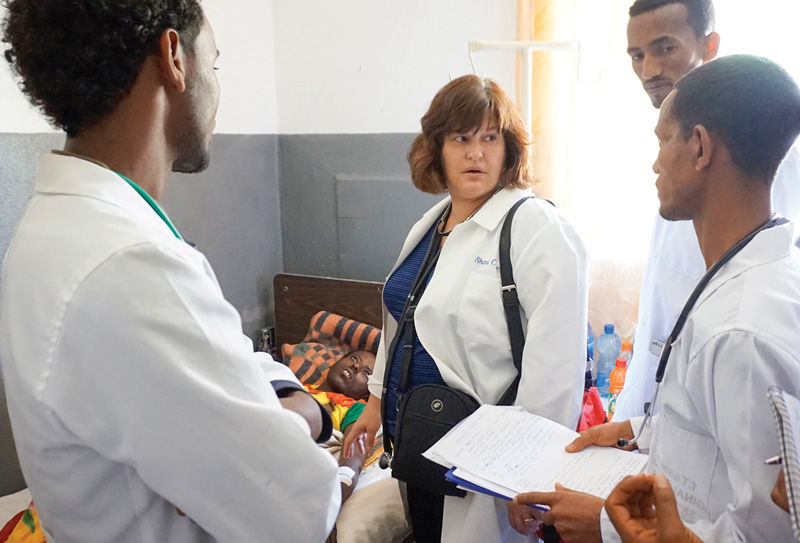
point(631, 490)
point(664, 497)
point(521, 519)
point(604, 435)
point(548, 518)
point(535, 498)
point(778, 493)
point(361, 441)
point(348, 447)
point(629, 486)
point(624, 505)
point(357, 442)
point(587, 437)
point(668, 523)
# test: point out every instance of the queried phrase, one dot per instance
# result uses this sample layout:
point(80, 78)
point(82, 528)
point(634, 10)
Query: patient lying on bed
point(343, 393)
point(335, 359)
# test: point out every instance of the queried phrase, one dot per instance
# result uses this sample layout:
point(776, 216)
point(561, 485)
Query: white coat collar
point(769, 245)
point(61, 174)
point(493, 211)
point(488, 217)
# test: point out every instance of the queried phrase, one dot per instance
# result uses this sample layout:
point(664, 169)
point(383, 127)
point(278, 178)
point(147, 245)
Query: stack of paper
point(504, 451)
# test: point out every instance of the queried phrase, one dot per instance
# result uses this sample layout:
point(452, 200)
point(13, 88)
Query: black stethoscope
point(687, 307)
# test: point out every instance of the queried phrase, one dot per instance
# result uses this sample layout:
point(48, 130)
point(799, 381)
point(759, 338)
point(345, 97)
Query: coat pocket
point(481, 318)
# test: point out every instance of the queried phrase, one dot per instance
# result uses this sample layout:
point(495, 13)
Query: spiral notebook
point(786, 409)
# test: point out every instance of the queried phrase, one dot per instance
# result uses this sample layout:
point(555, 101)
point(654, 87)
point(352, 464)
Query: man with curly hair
point(139, 410)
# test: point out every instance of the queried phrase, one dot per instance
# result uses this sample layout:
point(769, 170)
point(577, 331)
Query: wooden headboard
point(299, 297)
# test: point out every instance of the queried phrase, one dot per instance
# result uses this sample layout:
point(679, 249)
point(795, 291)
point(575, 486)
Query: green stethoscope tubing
point(153, 204)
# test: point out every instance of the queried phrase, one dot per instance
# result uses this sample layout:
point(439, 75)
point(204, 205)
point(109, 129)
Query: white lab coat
point(715, 429)
point(460, 321)
point(674, 265)
point(132, 390)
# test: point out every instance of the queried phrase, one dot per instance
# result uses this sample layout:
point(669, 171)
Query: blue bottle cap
point(609, 328)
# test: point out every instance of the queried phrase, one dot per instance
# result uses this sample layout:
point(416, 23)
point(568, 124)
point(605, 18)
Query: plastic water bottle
point(626, 352)
point(588, 380)
point(616, 382)
point(607, 350)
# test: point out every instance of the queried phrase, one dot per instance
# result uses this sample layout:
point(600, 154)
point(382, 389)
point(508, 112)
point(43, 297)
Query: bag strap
point(511, 304)
point(407, 329)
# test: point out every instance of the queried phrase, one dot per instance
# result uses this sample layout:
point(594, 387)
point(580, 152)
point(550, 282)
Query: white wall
point(316, 66)
point(244, 32)
point(16, 114)
point(367, 66)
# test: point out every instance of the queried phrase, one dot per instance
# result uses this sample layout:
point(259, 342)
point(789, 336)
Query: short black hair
point(77, 59)
point(701, 12)
point(750, 103)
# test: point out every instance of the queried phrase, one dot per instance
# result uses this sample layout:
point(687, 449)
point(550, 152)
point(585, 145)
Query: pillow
point(330, 337)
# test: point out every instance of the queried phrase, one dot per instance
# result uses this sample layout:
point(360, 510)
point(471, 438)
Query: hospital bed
point(373, 513)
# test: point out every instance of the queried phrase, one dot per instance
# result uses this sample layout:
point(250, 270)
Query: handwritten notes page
point(508, 451)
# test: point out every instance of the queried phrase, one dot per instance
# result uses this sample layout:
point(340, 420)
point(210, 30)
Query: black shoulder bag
point(428, 412)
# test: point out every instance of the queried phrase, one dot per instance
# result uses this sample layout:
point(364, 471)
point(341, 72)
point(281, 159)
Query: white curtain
point(602, 145)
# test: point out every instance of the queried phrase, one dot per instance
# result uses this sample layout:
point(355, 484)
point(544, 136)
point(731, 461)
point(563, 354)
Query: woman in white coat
point(474, 146)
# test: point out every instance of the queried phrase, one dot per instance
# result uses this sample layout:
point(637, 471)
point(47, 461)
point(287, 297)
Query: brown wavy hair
point(461, 106)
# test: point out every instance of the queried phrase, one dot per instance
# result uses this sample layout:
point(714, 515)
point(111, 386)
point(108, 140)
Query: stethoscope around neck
point(687, 308)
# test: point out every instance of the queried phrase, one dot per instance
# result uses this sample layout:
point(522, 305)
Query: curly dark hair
point(78, 59)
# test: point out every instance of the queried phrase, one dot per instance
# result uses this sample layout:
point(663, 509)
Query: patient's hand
point(362, 432)
point(354, 462)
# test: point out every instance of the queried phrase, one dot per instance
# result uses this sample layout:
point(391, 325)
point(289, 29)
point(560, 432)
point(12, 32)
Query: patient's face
point(350, 374)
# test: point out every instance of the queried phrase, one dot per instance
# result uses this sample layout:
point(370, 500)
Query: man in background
point(722, 134)
point(666, 40)
point(139, 409)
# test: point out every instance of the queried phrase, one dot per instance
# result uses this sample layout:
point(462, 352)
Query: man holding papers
point(722, 134)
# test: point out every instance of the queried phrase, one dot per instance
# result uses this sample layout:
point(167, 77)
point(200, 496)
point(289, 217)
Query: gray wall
point(231, 212)
point(17, 162)
point(331, 205)
point(343, 202)
point(348, 203)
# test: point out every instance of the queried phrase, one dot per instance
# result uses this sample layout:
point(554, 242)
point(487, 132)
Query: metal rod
point(527, 48)
point(477, 45)
point(527, 86)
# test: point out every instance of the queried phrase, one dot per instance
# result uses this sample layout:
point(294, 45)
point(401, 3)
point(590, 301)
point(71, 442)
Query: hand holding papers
point(504, 451)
